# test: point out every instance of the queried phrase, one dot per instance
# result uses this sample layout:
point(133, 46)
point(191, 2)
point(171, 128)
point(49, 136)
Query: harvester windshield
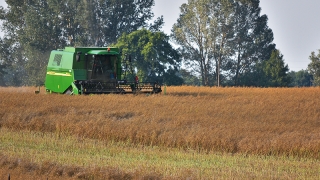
point(102, 67)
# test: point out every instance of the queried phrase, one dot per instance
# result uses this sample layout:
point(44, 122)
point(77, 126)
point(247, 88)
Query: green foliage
point(12, 64)
point(314, 67)
point(189, 79)
point(254, 78)
point(269, 73)
point(276, 71)
point(226, 39)
point(3, 65)
point(122, 16)
point(34, 28)
point(252, 41)
point(153, 57)
point(2, 73)
point(301, 78)
point(171, 78)
point(194, 33)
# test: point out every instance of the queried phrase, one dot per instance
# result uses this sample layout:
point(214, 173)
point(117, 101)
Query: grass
point(162, 162)
point(191, 132)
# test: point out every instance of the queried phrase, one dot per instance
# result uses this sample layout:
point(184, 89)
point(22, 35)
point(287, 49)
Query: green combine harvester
point(92, 70)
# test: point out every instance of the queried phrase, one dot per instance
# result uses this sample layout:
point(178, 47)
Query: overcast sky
point(295, 24)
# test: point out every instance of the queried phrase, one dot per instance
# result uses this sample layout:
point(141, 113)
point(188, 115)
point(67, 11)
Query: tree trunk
point(236, 81)
point(218, 71)
point(202, 72)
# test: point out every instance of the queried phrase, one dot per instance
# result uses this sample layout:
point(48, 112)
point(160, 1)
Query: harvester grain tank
point(92, 70)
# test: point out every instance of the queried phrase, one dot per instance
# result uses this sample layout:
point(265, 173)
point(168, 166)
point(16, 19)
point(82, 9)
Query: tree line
point(213, 42)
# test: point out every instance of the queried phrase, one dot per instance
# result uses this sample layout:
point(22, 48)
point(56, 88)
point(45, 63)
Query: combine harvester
point(92, 70)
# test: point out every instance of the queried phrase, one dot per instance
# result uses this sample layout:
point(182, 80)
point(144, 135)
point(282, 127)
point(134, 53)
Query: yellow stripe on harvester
point(58, 74)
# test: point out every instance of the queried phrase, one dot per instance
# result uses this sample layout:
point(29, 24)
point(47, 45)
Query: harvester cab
point(92, 70)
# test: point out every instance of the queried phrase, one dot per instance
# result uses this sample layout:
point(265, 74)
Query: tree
point(276, 71)
point(172, 78)
point(222, 31)
point(301, 78)
point(314, 67)
point(189, 79)
point(118, 17)
point(31, 33)
point(192, 34)
point(12, 64)
point(252, 41)
point(2, 74)
point(35, 27)
point(227, 39)
point(203, 31)
point(153, 57)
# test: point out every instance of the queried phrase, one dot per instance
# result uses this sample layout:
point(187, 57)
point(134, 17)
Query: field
point(187, 133)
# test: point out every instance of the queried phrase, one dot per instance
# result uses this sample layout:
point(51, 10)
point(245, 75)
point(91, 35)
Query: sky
point(295, 25)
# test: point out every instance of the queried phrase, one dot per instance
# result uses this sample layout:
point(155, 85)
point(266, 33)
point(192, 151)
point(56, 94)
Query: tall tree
point(192, 34)
point(31, 33)
point(12, 63)
point(276, 71)
point(314, 67)
point(35, 27)
point(127, 16)
point(223, 33)
point(252, 41)
point(153, 57)
point(40, 35)
point(224, 38)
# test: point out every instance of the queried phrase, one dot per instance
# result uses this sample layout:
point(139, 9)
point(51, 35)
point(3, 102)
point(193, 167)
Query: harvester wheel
point(69, 91)
point(122, 91)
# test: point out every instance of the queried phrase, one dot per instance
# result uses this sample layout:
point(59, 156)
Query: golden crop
point(264, 121)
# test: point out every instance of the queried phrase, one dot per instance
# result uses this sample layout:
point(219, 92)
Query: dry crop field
point(187, 133)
